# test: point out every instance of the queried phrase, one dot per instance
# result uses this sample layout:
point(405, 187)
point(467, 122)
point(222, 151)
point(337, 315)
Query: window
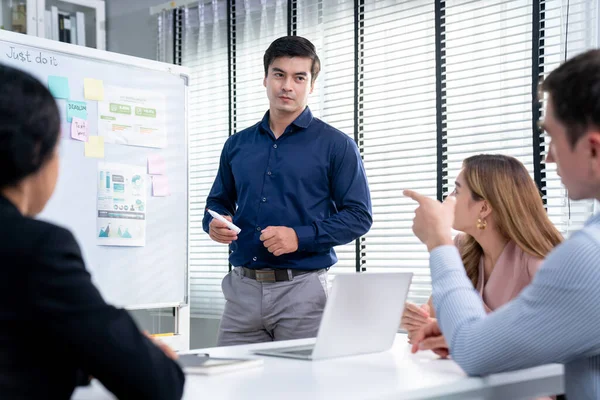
point(568, 28)
point(488, 81)
point(420, 85)
point(205, 52)
point(329, 25)
point(257, 23)
point(400, 142)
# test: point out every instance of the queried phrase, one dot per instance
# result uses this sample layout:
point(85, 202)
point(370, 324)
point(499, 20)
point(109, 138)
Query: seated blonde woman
point(506, 233)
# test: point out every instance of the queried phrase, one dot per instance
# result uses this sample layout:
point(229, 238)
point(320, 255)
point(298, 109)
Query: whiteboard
point(154, 275)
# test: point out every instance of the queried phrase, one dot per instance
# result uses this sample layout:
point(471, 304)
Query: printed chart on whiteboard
point(132, 117)
point(121, 205)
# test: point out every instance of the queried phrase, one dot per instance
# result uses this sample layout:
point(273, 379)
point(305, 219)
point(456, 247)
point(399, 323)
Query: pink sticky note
point(156, 165)
point(160, 186)
point(79, 129)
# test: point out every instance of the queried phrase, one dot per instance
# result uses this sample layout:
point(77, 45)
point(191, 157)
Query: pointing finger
point(415, 196)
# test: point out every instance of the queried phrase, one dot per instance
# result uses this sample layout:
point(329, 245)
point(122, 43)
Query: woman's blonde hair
point(518, 210)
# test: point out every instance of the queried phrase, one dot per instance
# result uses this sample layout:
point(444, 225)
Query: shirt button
point(254, 258)
point(269, 172)
point(274, 146)
point(264, 199)
point(258, 228)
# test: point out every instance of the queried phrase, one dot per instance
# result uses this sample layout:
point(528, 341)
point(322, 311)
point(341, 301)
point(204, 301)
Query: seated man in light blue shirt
point(556, 319)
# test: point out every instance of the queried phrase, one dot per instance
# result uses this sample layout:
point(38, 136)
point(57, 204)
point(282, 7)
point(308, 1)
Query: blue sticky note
point(59, 87)
point(76, 109)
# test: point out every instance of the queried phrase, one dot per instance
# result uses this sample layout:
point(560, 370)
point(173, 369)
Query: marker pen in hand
point(219, 217)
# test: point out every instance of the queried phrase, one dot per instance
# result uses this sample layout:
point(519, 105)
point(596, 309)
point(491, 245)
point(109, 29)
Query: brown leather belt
point(273, 275)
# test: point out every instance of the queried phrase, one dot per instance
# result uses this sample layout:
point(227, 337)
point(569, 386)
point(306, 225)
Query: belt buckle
point(265, 276)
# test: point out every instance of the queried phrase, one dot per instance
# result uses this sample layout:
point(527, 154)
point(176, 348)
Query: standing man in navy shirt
point(296, 187)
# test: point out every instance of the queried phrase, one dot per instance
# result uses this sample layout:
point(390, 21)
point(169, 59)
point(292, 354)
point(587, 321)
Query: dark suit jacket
point(55, 327)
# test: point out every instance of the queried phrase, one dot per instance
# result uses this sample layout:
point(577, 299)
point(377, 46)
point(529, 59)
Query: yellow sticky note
point(94, 147)
point(163, 334)
point(93, 89)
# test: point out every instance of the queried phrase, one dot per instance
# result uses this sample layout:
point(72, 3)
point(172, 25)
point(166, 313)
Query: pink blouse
point(513, 271)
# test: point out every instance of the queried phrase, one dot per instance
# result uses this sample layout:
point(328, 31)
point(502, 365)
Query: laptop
point(362, 316)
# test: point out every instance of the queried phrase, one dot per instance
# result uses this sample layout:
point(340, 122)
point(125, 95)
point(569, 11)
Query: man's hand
point(219, 232)
point(433, 220)
point(169, 352)
point(414, 318)
point(279, 240)
point(430, 338)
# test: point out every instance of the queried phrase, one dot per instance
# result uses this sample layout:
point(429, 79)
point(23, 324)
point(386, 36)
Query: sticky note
point(160, 186)
point(94, 147)
point(93, 89)
point(163, 334)
point(76, 109)
point(79, 129)
point(156, 165)
point(59, 87)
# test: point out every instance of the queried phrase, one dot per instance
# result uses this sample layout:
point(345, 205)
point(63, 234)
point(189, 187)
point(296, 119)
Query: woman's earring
point(481, 224)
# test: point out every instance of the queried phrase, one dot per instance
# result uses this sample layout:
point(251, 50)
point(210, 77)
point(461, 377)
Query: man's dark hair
point(574, 88)
point(29, 125)
point(293, 46)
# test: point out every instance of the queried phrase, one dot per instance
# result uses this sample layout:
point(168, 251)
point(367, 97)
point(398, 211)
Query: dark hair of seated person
point(29, 125)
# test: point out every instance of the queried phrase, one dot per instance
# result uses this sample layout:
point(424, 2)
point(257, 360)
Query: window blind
point(567, 28)
point(329, 25)
point(487, 77)
point(254, 25)
point(399, 132)
point(257, 23)
point(165, 32)
point(486, 80)
point(205, 52)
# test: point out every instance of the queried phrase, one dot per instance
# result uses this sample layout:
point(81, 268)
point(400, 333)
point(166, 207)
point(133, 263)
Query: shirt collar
point(594, 219)
point(302, 121)
point(8, 208)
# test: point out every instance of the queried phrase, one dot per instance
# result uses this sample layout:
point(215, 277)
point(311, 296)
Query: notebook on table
point(203, 364)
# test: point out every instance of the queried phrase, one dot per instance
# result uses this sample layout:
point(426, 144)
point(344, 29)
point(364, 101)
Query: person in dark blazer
point(56, 330)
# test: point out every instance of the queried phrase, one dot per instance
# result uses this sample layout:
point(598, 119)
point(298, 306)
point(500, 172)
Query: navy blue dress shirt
point(311, 179)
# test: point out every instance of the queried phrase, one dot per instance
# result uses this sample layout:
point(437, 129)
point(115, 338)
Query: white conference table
point(394, 374)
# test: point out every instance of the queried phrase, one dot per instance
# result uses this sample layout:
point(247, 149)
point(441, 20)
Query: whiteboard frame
point(180, 341)
point(87, 52)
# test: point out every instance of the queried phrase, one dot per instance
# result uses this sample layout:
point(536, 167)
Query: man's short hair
point(574, 88)
point(293, 46)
